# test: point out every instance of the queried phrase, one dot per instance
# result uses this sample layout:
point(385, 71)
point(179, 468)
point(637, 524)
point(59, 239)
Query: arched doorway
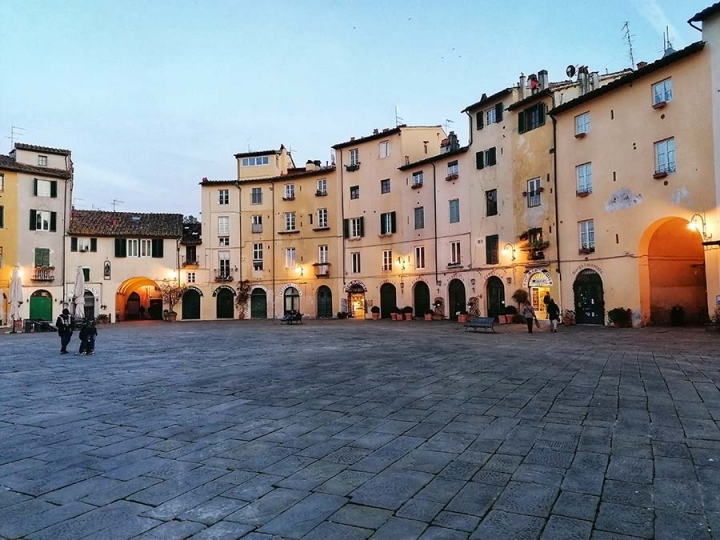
point(138, 295)
point(89, 305)
point(224, 302)
point(672, 273)
point(291, 300)
point(356, 299)
point(324, 302)
point(191, 304)
point(258, 304)
point(421, 298)
point(388, 299)
point(457, 301)
point(41, 306)
point(495, 297)
point(589, 298)
point(132, 307)
point(539, 285)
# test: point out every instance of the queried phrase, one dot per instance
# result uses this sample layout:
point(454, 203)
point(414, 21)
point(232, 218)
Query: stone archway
point(138, 297)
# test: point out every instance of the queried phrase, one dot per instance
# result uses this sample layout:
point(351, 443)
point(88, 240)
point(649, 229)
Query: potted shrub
point(462, 316)
point(394, 312)
point(619, 317)
point(375, 310)
point(242, 297)
point(520, 296)
point(408, 311)
point(510, 312)
point(568, 317)
point(171, 294)
point(429, 315)
point(342, 315)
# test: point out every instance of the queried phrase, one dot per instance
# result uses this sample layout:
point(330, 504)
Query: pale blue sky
point(151, 96)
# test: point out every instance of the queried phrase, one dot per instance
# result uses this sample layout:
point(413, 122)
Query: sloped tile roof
point(42, 149)
point(8, 163)
point(100, 223)
point(705, 13)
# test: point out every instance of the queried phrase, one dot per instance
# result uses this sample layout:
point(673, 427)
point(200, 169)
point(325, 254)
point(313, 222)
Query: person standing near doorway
point(141, 310)
point(64, 327)
point(553, 311)
point(529, 314)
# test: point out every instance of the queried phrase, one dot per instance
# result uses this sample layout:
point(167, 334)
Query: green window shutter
point(541, 114)
point(53, 189)
point(521, 122)
point(35, 186)
point(86, 274)
point(93, 244)
point(393, 222)
point(157, 248)
point(120, 247)
point(2, 217)
point(362, 226)
point(499, 112)
point(73, 243)
point(346, 228)
point(33, 220)
point(382, 224)
point(479, 159)
point(479, 120)
point(492, 156)
point(53, 221)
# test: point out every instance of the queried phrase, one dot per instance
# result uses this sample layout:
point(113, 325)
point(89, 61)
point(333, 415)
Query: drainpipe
point(435, 235)
point(237, 185)
point(272, 192)
point(339, 167)
point(66, 225)
point(557, 219)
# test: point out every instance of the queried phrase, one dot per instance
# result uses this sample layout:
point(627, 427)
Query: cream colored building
point(635, 167)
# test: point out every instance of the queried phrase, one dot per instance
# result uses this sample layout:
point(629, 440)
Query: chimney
point(318, 164)
point(454, 144)
point(310, 165)
point(543, 79)
point(641, 65)
point(522, 86)
point(352, 138)
point(375, 131)
point(594, 81)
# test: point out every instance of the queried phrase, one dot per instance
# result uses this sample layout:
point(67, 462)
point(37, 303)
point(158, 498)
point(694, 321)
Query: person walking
point(553, 311)
point(64, 328)
point(530, 318)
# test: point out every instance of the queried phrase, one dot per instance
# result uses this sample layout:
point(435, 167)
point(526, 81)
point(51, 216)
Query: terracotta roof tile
point(8, 163)
point(100, 223)
point(42, 149)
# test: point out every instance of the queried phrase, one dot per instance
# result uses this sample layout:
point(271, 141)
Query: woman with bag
point(553, 311)
point(530, 318)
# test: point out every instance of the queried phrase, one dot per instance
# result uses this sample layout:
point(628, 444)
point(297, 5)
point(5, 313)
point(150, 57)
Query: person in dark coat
point(64, 328)
point(553, 311)
point(87, 338)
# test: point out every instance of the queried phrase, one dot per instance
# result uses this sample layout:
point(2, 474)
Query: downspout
point(272, 191)
point(555, 190)
point(66, 225)
point(435, 234)
point(342, 214)
point(240, 266)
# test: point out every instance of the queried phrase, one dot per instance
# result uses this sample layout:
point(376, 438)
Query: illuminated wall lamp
point(703, 230)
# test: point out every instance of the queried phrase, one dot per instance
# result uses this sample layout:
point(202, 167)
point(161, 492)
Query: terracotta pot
point(172, 316)
point(393, 316)
point(408, 316)
point(375, 316)
point(429, 317)
point(463, 318)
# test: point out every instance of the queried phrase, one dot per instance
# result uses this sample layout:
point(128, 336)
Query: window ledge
point(659, 105)
point(416, 186)
point(288, 198)
point(660, 174)
point(586, 251)
point(321, 229)
point(354, 238)
point(450, 177)
point(454, 265)
point(289, 232)
point(321, 193)
point(582, 193)
point(580, 135)
point(386, 235)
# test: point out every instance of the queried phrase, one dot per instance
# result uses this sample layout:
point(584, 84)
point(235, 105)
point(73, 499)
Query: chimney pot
point(375, 131)
point(352, 138)
point(641, 65)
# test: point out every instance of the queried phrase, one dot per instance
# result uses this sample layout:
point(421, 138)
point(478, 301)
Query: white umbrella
point(79, 294)
point(16, 294)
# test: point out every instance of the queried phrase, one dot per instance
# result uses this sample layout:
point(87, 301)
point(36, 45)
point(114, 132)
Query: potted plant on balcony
point(620, 317)
point(408, 312)
point(375, 310)
point(171, 293)
point(242, 297)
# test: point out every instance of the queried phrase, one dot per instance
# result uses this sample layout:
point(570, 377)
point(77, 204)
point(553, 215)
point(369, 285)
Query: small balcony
point(256, 228)
point(416, 185)
point(321, 193)
point(586, 250)
point(223, 277)
point(322, 269)
point(451, 177)
point(190, 264)
point(44, 274)
point(288, 198)
point(352, 167)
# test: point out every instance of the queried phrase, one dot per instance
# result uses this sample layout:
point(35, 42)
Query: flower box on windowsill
point(660, 174)
point(659, 104)
point(416, 186)
point(582, 193)
point(586, 251)
point(319, 193)
point(321, 229)
point(294, 231)
point(292, 198)
point(351, 168)
point(454, 265)
point(451, 177)
point(580, 135)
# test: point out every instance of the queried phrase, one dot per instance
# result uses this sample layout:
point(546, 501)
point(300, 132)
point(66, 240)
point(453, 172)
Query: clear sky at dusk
point(151, 96)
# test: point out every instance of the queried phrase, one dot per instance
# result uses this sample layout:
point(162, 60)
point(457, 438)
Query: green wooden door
point(388, 299)
point(324, 302)
point(421, 298)
point(457, 299)
point(191, 304)
point(41, 306)
point(495, 297)
point(225, 308)
point(258, 304)
point(589, 298)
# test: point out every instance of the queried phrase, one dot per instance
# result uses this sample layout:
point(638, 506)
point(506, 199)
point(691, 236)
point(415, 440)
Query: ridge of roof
point(43, 149)
point(488, 99)
point(436, 157)
point(143, 224)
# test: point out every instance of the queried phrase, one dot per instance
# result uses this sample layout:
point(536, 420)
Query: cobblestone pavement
point(361, 429)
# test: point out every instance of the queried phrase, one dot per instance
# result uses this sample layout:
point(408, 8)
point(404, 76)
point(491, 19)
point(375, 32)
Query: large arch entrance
point(456, 298)
point(672, 272)
point(421, 298)
point(41, 306)
point(138, 298)
point(324, 302)
point(495, 297)
point(589, 298)
point(388, 299)
point(258, 303)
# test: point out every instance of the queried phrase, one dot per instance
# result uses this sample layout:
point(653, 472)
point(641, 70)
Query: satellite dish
point(570, 71)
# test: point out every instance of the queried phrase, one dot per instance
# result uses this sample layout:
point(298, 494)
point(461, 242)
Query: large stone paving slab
point(361, 429)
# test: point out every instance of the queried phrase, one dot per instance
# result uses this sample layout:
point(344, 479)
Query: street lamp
point(511, 248)
point(693, 226)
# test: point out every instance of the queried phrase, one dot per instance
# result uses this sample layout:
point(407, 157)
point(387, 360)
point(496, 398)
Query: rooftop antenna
point(14, 134)
point(398, 120)
point(667, 46)
point(116, 202)
point(447, 124)
point(628, 37)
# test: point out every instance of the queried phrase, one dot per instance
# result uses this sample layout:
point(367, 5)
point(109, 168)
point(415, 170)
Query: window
point(255, 161)
point(385, 186)
point(223, 226)
point(223, 196)
point(387, 260)
point(420, 217)
point(42, 257)
point(387, 223)
point(42, 161)
point(2, 182)
point(491, 201)
point(665, 156)
point(417, 179)
point(354, 227)
point(455, 211)
point(582, 123)
point(289, 192)
point(223, 241)
point(584, 178)
point(322, 186)
point(486, 158)
point(256, 196)
point(191, 254)
point(662, 91)
point(191, 277)
point(133, 249)
point(455, 253)
point(533, 192)
point(322, 218)
point(531, 118)
point(420, 257)
point(384, 149)
point(587, 235)
point(145, 247)
point(453, 168)
point(323, 256)
point(86, 274)
point(289, 221)
point(489, 116)
point(257, 256)
point(45, 188)
point(354, 192)
point(354, 157)
point(355, 258)
point(290, 258)
point(42, 220)
point(492, 254)
point(224, 266)
point(256, 224)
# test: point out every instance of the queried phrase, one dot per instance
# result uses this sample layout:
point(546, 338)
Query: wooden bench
point(485, 323)
point(292, 318)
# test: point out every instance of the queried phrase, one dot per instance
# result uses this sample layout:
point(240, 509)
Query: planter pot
point(394, 316)
point(429, 317)
point(375, 316)
point(171, 316)
point(437, 317)
point(463, 318)
point(408, 316)
point(568, 322)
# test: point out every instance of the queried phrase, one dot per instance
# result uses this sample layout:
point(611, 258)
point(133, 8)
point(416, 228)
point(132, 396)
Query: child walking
point(88, 333)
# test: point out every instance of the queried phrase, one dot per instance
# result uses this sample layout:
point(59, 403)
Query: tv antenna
point(628, 37)
point(447, 124)
point(116, 202)
point(398, 120)
point(14, 134)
